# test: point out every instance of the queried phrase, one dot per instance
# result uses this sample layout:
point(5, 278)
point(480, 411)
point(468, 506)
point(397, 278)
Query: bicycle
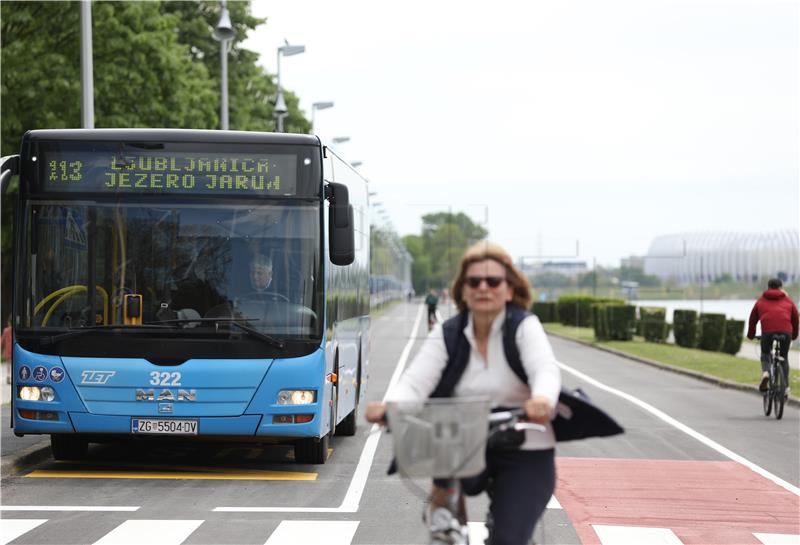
point(776, 387)
point(445, 439)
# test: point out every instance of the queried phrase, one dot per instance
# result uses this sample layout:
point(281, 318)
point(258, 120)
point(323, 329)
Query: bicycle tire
point(780, 391)
point(767, 403)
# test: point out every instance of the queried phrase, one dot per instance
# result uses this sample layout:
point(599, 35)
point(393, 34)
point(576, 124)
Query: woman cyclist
point(487, 286)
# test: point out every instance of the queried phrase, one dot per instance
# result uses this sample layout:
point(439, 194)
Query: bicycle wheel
point(767, 403)
point(780, 391)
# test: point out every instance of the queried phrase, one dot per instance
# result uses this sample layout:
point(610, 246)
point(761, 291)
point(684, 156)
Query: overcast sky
point(569, 128)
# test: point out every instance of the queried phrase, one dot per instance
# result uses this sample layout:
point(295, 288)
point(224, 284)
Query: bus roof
point(174, 135)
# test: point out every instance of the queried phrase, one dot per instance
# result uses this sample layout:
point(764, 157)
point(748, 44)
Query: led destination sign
point(169, 172)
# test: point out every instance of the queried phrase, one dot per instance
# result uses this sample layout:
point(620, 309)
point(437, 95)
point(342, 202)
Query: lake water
point(732, 309)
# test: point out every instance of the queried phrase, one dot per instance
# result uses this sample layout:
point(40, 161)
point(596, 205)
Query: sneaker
point(786, 393)
point(764, 381)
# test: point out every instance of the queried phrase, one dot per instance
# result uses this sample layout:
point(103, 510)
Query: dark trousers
point(784, 340)
point(519, 483)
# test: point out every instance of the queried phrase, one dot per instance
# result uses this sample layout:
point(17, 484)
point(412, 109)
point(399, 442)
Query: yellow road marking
point(220, 476)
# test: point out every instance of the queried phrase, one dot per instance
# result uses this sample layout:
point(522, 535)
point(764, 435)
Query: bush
point(575, 310)
point(654, 324)
point(546, 311)
point(712, 332)
point(600, 321)
point(621, 321)
point(685, 327)
point(734, 331)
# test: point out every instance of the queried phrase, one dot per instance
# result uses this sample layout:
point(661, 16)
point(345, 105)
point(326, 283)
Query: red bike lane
point(700, 502)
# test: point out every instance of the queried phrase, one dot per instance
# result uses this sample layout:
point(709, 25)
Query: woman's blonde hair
point(482, 251)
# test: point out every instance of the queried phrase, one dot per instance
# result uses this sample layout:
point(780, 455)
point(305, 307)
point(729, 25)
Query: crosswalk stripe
point(303, 532)
point(11, 529)
point(152, 532)
point(635, 535)
point(778, 539)
point(242, 475)
point(69, 507)
point(477, 532)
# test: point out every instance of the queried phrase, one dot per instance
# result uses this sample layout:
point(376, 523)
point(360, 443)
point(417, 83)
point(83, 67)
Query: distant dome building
point(747, 257)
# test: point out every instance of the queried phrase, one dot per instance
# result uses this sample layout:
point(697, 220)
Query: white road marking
point(304, 532)
point(353, 496)
point(477, 532)
point(635, 535)
point(152, 532)
point(553, 503)
point(69, 508)
point(11, 529)
point(685, 429)
point(778, 539)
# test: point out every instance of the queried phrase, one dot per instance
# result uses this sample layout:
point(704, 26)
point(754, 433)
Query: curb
point(15, 462)
point(792, 400)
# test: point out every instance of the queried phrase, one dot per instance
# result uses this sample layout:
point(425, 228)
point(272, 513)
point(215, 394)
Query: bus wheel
point(68, 447)
point(313, 450)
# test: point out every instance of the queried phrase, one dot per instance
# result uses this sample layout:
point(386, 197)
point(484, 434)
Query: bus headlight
point(296, 397)
point(30, 393)
point(48, 394)
point(36, 393)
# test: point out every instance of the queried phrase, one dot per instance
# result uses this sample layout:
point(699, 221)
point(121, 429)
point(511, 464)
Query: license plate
point(163, 426)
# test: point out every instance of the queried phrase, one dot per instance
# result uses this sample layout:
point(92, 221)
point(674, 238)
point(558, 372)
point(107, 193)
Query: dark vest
point(458, 349)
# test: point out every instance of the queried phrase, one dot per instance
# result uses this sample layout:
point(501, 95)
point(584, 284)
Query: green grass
point(717, 364)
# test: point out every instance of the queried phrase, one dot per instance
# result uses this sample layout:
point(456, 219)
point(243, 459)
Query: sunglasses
point(491, 281)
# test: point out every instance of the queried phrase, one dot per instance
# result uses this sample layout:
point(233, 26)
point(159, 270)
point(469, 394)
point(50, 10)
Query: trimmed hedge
point(654, 326)
point(621, 321)
point(600, 321)
point(685, 327)
point(712, 332)
point(546, 311)
point(575, 310)
point(734, 331)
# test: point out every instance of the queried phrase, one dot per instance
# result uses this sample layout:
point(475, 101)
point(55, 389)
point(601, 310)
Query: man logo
point(96, 377)
point(166, 395)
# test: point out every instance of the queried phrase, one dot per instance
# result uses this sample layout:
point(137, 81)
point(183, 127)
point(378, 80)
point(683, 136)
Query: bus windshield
point(169, 264)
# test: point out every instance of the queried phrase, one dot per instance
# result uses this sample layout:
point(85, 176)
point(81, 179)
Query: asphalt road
point(698, 464)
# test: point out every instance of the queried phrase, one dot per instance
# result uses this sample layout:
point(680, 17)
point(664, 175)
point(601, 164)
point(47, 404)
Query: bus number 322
point(165, 379)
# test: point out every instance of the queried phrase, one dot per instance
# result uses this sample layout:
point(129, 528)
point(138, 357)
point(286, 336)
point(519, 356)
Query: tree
point(156, 64)
point(437, 250)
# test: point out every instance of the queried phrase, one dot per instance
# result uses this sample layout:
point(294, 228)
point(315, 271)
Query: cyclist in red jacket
point(779, 320)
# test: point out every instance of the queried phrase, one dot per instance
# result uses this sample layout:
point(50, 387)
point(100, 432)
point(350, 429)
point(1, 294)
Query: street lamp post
point(87, 71)
point(280, 104)
point(318, 106)
point(223, 33)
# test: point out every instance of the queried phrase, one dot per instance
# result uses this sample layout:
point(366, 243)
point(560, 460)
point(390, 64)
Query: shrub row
point(709, 332)
point(613, 321)
point(546, 311)
point(576, 310)
point(653, 324)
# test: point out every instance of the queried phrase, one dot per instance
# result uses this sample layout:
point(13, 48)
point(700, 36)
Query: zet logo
point(96, 377)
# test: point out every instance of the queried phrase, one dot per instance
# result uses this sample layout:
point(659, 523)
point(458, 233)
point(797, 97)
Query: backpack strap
point(514, 317)
point(458, 349)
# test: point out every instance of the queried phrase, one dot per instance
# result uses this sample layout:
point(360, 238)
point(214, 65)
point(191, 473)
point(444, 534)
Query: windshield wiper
point(77, 332)
point(230, 321)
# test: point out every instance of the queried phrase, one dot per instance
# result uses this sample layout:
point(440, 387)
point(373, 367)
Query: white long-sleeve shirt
point(493, 378)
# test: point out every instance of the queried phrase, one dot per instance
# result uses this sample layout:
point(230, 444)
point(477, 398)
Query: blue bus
point(186, 283)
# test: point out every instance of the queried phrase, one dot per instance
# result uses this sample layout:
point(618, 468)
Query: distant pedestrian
point(779, 320)
point(431, 301)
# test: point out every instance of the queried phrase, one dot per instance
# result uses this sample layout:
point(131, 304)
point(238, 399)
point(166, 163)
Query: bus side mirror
point(9, 166)
point(341, 235)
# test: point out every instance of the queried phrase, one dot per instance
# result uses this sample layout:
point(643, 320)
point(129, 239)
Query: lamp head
point(280, 105)
point(224, 30)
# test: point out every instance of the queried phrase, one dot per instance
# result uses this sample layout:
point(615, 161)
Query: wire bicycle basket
point(440, 437)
